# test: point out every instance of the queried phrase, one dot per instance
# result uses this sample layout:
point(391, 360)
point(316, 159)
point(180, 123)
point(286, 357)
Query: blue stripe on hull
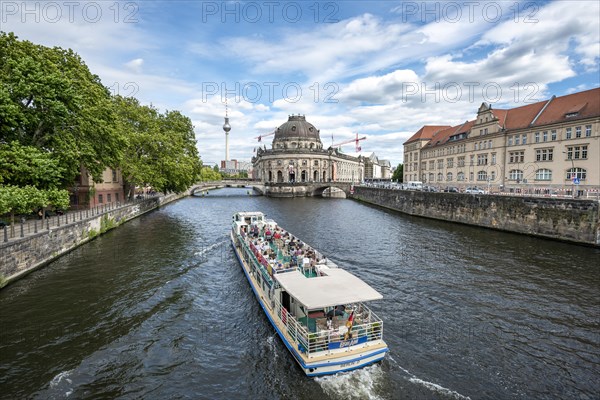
point(292, 349)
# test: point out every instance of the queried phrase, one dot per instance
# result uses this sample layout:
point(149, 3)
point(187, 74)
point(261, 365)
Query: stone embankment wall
point(564, 219)
point(20, 256)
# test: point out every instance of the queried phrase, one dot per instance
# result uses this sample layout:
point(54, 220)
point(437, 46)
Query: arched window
point(279, 176)
point(449, 176)
point(303, 176)
point(440, 177)
point(460, 176)
point(315, 176)
point(576, 173)
point(515, 174)
point(431, 177)
point(543, 175)
point(270, 176)
point(482, 176)
point(324, 176)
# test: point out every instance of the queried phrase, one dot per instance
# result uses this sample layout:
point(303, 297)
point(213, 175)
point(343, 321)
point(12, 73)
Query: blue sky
point(379, 68)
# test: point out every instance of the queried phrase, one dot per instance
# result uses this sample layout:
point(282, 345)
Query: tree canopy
point(56, 117)
point(398, 174)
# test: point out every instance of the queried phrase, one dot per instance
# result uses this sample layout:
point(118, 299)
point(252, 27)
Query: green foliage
point(208, 174)
point(51, 101)
point(107, 223)
point(161, 148)
point(398, 175)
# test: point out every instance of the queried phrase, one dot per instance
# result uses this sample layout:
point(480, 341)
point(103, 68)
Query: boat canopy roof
point(337, 287)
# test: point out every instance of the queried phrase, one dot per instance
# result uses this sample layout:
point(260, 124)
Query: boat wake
point(205, 250)
point(62, 383)
point(434, 387)
point(358, 384)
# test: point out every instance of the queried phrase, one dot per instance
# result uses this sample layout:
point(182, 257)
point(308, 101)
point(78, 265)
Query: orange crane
point(356, 140)
point(265, 135)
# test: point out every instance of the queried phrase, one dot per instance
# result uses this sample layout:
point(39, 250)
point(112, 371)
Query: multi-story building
point(85, 193)
point(377, 169)
point(548, 147)
point(297, 155)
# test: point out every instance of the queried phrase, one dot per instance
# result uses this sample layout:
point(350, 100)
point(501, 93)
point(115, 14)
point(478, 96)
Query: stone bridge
point(271, 189)
point(302, 189)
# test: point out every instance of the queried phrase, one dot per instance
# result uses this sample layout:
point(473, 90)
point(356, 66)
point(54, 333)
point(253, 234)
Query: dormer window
point(571, 114)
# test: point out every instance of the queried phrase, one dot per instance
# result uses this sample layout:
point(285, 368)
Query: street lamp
point(572, 173)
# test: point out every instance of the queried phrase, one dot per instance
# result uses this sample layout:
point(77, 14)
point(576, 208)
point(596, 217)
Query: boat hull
point(321, 365)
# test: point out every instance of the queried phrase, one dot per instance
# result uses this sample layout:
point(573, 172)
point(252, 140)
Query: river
point(159, 308)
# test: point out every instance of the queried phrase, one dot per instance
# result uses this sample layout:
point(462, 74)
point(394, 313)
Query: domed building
point(297, 156)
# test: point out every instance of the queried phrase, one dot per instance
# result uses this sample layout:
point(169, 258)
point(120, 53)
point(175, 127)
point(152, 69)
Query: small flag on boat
point(349, 324)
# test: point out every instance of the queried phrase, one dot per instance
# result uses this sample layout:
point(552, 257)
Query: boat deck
point(280, 251)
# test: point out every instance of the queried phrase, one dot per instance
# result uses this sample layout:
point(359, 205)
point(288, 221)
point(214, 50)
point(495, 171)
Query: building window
point(461, 161)
point(588, 130)
point(493, 158)
point(440, 164)
point(510, 140)
point(489, 144)
point(576, 152)
point(516, 157)
point(524, 139)
point(440, 177)
point(472, 162)
point(431, 164)
point(515, 175)
point(431, 177)
point(449, 176)
point(482, 176)
point(544, 154)
point(471, 176)
point(450, 162)
point(108, 198)
point(553, 134)
point(117, 197)
point(304, 163)
point(577, 131)
point(279, 162)
point(317, 162)
point(114, 175)
point(475, 146)
point(576, 173)
point(536, 137)
point(569, 132)
point(100, 199)
point(460, 176)
point(517, 140)
point(543, 175)
point(482, 159)
point(545, 136)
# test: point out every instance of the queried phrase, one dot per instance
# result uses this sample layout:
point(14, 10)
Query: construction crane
point(265, 135)
point(356, 140)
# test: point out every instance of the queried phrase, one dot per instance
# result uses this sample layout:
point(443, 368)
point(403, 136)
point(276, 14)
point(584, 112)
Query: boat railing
point(367, 326)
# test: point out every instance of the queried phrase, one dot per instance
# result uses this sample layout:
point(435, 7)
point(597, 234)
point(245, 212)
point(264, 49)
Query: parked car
point(451, 189)
point(430, 189)
point(474, 190)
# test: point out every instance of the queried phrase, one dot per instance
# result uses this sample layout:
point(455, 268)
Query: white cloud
point(135, 65)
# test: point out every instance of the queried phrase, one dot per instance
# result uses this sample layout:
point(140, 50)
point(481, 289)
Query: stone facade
point(537, 148)
point(564, 219)
point(297, 155)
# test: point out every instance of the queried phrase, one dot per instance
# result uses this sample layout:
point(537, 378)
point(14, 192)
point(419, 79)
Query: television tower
point(226, 128)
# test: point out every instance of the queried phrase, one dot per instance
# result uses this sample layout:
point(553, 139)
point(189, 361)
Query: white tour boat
point(317, 309)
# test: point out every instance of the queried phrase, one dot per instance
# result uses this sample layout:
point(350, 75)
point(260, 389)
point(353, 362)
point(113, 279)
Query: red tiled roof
point(426, 132)
point(442, 136)
point(586, 104)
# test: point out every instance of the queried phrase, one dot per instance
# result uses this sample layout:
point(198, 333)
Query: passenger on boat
point(268, 234)
point(337, 311)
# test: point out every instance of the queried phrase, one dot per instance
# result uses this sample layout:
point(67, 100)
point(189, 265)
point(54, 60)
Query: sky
point(381, 69)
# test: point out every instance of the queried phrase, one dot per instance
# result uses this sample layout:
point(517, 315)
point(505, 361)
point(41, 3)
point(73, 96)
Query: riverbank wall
point(20, 256)
point(571, 220)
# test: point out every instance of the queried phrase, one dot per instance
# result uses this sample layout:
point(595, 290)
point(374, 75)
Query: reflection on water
point(159, 308)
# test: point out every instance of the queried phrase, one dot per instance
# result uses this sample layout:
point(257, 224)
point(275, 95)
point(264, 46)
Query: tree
point(29, 179)
point(51, 101)
point(398, 175)
point(161, 148)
